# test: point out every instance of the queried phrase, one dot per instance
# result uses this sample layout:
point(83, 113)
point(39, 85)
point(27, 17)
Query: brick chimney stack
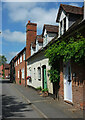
point(31, 32)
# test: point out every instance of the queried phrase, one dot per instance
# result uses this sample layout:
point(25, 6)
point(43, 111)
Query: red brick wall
point(19, 67)
point(7, 72)
point(77, 84)
point(31, 32)
point(61, 90)
point(1, 72)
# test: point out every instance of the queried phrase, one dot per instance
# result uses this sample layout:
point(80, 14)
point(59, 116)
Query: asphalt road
point(20, 102)
point(14, 105)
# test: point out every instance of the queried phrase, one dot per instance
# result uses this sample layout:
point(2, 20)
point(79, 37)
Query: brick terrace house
point(37, 63)
point(71, 21)
point(1, 72)
point(20, 67)
point(12, 69)
point(5, 71)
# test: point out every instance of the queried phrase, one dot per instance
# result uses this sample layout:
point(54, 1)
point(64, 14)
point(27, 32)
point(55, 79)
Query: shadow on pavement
point(13, 108)
point(5, 81)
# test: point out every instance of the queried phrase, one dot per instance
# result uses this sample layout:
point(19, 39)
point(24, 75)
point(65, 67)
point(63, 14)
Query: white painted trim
point(67, 23)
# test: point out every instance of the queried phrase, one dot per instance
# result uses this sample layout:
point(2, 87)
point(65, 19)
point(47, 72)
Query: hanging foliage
point(71, 48)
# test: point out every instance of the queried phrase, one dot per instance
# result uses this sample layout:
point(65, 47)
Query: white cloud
point(22, 12)
point(15, 36)
point(41, 16)
point(19, 15)
point(74, 4)
point(15, 6)
point(11, 55)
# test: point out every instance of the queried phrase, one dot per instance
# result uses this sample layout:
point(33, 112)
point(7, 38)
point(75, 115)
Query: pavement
point(25, 102)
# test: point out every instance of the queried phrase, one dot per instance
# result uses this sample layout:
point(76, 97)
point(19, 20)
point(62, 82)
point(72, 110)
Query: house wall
point(1, 72)
point(12, 71)
point(50, 36)
point(77, 84)
point(38, 61)
point(7, 73)
point(61, 90)
point(19, 67)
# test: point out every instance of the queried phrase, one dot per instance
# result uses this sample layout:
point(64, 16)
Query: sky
point(15, 16)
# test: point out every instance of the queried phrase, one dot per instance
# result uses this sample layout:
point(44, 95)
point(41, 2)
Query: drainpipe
point(25, 68)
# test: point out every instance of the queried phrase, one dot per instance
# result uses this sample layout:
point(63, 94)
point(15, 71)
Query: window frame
point(23, 73)
point(20, 58)
point(64, 27)
point(18, 74)
point(18, 61)
point(39, 73)
point(24, 55)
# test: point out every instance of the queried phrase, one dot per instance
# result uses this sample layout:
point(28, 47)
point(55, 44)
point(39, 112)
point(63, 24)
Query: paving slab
point(47, 105)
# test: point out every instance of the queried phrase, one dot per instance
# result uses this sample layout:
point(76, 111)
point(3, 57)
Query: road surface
point(21, 102)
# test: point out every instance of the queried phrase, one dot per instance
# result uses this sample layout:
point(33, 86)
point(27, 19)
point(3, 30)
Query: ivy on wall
point(65, 49)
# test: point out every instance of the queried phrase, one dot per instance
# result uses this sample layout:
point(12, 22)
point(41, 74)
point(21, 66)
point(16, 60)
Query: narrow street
point(14, 105)
point(21, 102)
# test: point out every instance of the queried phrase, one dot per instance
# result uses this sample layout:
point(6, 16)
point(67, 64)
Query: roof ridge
point(70, 5)
point(50, 25)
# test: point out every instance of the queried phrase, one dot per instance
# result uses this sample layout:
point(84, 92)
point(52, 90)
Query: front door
point(20, 76)
point(45, 79)
point(67, 82)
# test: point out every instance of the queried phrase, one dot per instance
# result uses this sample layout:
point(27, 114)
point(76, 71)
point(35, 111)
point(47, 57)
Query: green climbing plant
point(65, 49)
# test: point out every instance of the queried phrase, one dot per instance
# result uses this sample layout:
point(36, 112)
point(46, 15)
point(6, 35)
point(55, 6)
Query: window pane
point(61, 28)
point(18, 74)
point(23, 73)
point(64, 24)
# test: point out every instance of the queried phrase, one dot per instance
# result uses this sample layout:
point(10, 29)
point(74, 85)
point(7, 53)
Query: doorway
point(67, 82)
point(20, 76)
point(44, 76)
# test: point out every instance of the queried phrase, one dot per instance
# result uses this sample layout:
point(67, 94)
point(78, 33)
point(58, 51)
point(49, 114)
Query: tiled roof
point(70, 9)
point(50, 28)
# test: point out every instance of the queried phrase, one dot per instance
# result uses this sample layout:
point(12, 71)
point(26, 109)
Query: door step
point(68, 102)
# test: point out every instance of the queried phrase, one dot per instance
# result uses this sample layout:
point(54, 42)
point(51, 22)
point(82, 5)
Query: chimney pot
point(29, 21)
